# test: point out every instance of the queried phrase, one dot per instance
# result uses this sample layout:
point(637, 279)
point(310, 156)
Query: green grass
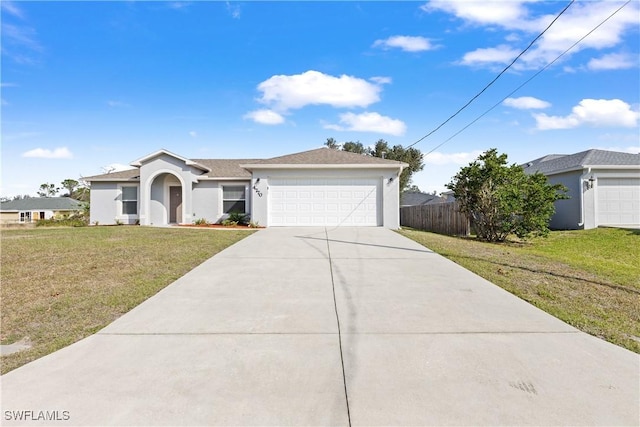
point(60, 285)
point(587, 278)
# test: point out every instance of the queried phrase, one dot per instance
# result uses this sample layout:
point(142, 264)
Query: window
point(129, 200)
point(25, 216)
point(42, 215)
point(233, 199)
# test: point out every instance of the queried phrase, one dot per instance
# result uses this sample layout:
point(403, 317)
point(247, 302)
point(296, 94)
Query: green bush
point(238, 218)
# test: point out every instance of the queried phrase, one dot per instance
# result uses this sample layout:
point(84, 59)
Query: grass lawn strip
point(597, 294)
point(60, 285)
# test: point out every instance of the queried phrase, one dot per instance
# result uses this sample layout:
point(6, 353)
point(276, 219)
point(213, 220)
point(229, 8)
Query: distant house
point(313, 188)
point(603, 186)
point(418, 198)
point(32, 209)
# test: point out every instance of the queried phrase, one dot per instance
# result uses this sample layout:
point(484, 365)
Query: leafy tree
point(411, 156)
point(48, 190)
point(82, 193)
point(413, 189)
point(355, 147)
point(70, 185)
point(332, 143)
point(503, 200)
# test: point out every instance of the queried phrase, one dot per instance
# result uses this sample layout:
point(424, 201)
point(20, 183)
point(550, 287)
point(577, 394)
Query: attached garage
point(324, 201)
point(326, 187)
point(618, 201)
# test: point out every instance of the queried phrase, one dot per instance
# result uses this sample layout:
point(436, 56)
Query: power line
point(527, 81)
point(496, 78)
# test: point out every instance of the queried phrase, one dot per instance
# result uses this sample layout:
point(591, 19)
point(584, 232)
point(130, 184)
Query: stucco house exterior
point(603, 186)
point(32, 209)
point(322, 187)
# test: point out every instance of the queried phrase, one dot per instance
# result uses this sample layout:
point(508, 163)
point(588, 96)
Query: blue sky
point(94, 85)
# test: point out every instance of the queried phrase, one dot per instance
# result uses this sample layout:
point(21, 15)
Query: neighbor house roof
point(42, 203)
point(558, 163)
point(238, 168)
point(416, 198)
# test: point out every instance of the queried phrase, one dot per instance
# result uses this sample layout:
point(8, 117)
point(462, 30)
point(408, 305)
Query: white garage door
point(618, 201)
point(309, 202)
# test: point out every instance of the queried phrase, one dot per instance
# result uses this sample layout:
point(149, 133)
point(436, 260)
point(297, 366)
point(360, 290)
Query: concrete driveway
point(251, 337)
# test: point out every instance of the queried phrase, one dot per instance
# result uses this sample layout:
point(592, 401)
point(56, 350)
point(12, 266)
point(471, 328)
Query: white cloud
point(117, 104)
point(178, 5)
point(526, 103)
point(592, 112)
point(381, 80)
point(265, 117)
point(613, 61)
point(234, 10)
point(502, 54)
point(464, 158)
point(483, 12)
point(406, 43)
point(11, 8)
point(45, 153)
point(193, 134)
point(369, 122)
point(285, 92)
point(516, 17)
point(3, 102)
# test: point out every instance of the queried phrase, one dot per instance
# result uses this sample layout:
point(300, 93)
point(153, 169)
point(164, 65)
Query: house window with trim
point(129, 200)
point(234, 199)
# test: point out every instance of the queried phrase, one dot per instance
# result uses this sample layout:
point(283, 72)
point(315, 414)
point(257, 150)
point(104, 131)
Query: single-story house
point(32, 209)
point(603, 186)
point(312, 188)
point(418, 198)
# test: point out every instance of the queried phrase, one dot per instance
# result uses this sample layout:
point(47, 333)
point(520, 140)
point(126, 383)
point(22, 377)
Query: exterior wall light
point(591, 181)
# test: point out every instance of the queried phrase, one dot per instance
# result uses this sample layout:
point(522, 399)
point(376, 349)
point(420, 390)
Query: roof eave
point(324, 166)
point(583, 167)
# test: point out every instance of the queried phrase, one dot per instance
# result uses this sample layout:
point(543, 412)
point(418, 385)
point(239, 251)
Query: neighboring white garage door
point(308, 202)
point(618, 201)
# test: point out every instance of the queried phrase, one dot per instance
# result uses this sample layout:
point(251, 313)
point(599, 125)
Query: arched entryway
point(166, 199)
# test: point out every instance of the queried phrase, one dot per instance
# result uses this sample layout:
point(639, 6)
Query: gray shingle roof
point(328, 156)
point(126, 175)
point(42, 203)
point(415, 198)
point(230, 168)
point(226, 168)
point(555, 163)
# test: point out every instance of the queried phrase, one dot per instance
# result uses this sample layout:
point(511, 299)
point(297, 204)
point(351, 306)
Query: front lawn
point(587, 278)
point(60, 285)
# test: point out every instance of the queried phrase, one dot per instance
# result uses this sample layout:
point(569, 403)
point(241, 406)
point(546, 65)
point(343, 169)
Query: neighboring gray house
point(604, 188)
point(32, 209)
point(418, 198)
point(317, 187)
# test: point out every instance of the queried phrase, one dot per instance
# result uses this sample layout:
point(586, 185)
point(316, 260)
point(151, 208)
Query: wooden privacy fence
point(442, 218)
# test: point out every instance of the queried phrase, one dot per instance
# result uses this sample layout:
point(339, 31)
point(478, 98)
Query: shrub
point(229, 223)
point(201, 221)
point(239, 218)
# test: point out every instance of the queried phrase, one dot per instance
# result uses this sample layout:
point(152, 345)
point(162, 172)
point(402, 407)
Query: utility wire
point(526, 81)
point(496, 78)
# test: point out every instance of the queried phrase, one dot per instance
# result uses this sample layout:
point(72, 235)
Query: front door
point(175, 205)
